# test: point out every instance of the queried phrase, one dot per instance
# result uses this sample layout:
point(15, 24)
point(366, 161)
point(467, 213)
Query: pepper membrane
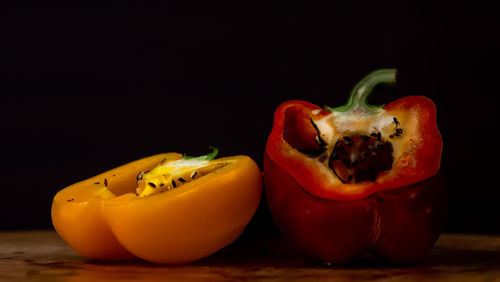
point(166, 208)
point(345, 180)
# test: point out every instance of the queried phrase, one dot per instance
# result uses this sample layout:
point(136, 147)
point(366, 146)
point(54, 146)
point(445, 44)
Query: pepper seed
point(365, 137)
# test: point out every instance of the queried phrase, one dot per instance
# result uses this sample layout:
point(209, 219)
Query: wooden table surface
point(43, 256)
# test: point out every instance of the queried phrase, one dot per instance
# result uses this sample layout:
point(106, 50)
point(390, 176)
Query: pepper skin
point(191, 220)
point(357, 178)
point(77, 214)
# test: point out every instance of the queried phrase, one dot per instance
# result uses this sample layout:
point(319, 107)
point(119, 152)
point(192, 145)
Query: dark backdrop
point(87, 89)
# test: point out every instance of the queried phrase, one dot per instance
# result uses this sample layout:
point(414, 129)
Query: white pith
point(171, 171)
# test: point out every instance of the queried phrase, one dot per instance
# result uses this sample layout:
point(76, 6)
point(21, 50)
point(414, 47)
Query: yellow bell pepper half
point(165, 208)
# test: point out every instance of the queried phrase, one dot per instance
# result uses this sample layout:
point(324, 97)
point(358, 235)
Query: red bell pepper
point(356, 178)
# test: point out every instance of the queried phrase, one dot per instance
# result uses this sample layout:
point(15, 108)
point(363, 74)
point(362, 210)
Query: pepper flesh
point(398, 215)
point(77, 214)
point(181, 225)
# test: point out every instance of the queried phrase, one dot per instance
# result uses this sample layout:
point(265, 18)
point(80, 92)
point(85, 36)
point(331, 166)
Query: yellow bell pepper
point(165, 208)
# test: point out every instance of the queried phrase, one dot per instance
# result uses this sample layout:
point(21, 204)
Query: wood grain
point(43, 256)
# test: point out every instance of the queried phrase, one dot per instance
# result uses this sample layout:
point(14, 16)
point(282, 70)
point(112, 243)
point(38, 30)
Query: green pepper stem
point(363, 89)
point(207, 157)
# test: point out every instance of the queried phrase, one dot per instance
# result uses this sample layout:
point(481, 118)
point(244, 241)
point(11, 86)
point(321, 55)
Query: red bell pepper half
point(356, 178)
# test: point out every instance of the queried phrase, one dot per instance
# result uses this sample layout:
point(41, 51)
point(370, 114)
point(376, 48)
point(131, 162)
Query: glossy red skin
point(400, 225)
point(398, 217)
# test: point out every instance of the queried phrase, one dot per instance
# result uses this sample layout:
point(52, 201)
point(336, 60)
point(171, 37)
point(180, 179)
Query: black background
point(85, 89)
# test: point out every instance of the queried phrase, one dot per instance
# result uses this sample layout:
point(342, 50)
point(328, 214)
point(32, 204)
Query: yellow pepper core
point(172, 174)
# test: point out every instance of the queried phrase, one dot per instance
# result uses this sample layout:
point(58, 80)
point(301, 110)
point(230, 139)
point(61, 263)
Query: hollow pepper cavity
point(343, 181)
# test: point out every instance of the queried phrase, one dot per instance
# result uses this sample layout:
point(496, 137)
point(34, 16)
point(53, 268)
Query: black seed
point(139, 176)
point(193, 175)
point(395, 120)
point(322, 158)
point(334, 156)
point(379, 199)
point(347, 138)
point(347, 163)
point(97, 182)
point(105, 182)
point(373, 134)
point(147, 171)
point(354, 163)
point(349, 178)
point(379, 135)
point(380, 146)
point(365, 137)
point(162, 161)
point(349, 144)
point(399, 131)
point(320, 140)
point(152, 184)
point(71, 200)
point(181, 179)
point(174, 184)
point(161, 185)
point(391, 136)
